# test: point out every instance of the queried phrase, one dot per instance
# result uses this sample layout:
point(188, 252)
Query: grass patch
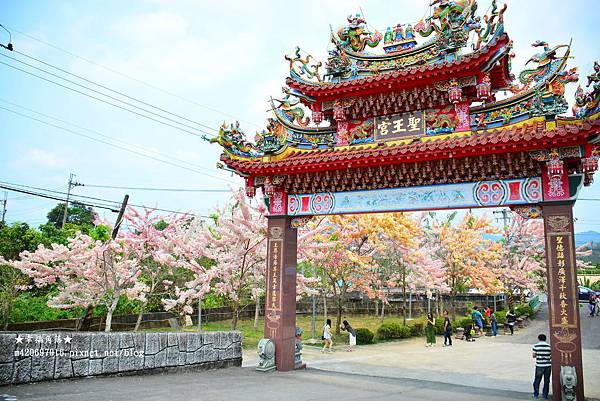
point(252, 335)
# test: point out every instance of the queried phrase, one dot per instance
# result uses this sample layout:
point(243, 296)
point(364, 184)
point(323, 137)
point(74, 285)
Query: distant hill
point(587, 236)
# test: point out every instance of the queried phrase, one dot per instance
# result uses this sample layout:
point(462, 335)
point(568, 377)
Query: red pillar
point(563, 300)
point(280, 307)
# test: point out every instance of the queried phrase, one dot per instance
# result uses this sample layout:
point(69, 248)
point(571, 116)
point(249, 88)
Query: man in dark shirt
point(543, 367)
point(447, 330)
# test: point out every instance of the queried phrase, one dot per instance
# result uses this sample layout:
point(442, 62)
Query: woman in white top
point(327, 343)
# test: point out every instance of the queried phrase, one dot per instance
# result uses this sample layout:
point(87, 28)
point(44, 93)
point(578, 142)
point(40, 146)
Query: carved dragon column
point(280, 303)
point(563, 302)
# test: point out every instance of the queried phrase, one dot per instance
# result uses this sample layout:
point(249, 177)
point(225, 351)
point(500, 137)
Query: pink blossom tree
point(150, 243)
point(522, 257)
point(86, 272)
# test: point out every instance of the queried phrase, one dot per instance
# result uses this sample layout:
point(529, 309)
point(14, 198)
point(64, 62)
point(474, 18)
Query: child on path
point(351, 335)
point(430, 330)
point(593, 305)
point(327, 342)
point(494, 324)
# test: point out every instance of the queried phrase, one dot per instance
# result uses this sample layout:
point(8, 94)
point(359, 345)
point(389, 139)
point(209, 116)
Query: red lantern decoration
point(317, 117)
point(454, 92)
point(269, 188)
point(484, 88)
point(590, 165)
point(555, 165)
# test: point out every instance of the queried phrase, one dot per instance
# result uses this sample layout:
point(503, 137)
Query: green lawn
point(251, 336)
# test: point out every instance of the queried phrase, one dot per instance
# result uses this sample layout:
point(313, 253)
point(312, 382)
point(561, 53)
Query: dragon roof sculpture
point(373, 83)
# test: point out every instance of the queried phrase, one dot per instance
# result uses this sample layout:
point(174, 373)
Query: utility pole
point(505, 216)
point(4, 206)
point(84, 322)
point(72, 184)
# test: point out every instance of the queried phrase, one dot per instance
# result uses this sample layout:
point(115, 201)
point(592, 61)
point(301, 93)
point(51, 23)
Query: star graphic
point(19, 339)
point(68, 339)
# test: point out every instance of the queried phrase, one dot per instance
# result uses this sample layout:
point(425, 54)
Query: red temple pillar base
point(563, 299)
point(280, 307)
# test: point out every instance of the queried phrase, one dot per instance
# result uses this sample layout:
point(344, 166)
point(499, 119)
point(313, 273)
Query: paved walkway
point(491, 369)
point(502, 363)
point(248, 385)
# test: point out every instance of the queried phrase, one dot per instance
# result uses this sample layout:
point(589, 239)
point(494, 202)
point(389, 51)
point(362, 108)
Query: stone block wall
point(34, 356)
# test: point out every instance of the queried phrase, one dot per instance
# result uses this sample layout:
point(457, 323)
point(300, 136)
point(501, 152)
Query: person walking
point(543, 367)
point(327, 342)
point(494, 324)
point(477, 317)
point(488, 312)
point(351, 335)
point(430, 330)
point(447, 330)
point(593, 305)
point(511, 319)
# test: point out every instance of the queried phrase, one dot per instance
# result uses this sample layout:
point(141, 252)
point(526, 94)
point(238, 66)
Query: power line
point(107, 88)
point(110, 144)
point(157, 88)
point(24, 191)
point(11, 186)
point(110, 103)
point(105, 136)
point(158, 189)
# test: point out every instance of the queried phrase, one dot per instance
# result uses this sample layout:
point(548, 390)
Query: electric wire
point(90, 203)
point(106, 101)
point(157, 88)
point(109, 89)
point(111, 144)
point(157, 189)
point(111, 97)
point(106, 136)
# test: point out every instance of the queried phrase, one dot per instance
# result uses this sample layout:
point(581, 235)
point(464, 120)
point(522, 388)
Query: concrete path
point(502, 363)
point(248, 385)
point(494, 369)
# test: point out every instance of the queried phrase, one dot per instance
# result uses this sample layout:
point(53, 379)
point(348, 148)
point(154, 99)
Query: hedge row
point(416, 328)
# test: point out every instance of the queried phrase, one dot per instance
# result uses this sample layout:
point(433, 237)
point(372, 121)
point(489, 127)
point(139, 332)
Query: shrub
point(524, 309)
point(439, 325)
point(390, 331)
point(501, 317)
point(364, 336)
point(416, 329)
point(465, 322)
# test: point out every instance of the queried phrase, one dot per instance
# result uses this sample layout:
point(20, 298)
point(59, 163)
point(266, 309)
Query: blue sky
point(227, 55)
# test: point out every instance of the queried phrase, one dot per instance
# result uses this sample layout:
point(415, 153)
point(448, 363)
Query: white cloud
point(43, 158)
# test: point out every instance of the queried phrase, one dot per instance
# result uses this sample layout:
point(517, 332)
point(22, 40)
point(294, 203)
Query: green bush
point(596, 286)
point(391, 331)
point(416, 329)
point(501, 317)
point(364, 336)
point(439, 325)
point(465, 322)
point(524, 309)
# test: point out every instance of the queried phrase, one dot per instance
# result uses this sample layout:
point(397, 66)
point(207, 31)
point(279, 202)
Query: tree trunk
point(236, 313)
point(6, 316)
point(256, 312)
point(140, 316)
point(325, 306)
point(110, 312)
point(382, 311)
point(453, 304)
point(340, 306)
point(404, 297)
point(376, 302)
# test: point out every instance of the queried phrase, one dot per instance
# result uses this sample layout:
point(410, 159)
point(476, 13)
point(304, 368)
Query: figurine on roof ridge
point(587, 104)
point(356, 36)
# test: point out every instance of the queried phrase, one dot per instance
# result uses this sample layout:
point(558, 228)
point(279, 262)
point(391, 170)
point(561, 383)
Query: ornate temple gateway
point(419, 125)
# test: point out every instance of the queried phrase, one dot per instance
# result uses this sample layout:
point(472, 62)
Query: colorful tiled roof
point(529, 135)
point(473, 62)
